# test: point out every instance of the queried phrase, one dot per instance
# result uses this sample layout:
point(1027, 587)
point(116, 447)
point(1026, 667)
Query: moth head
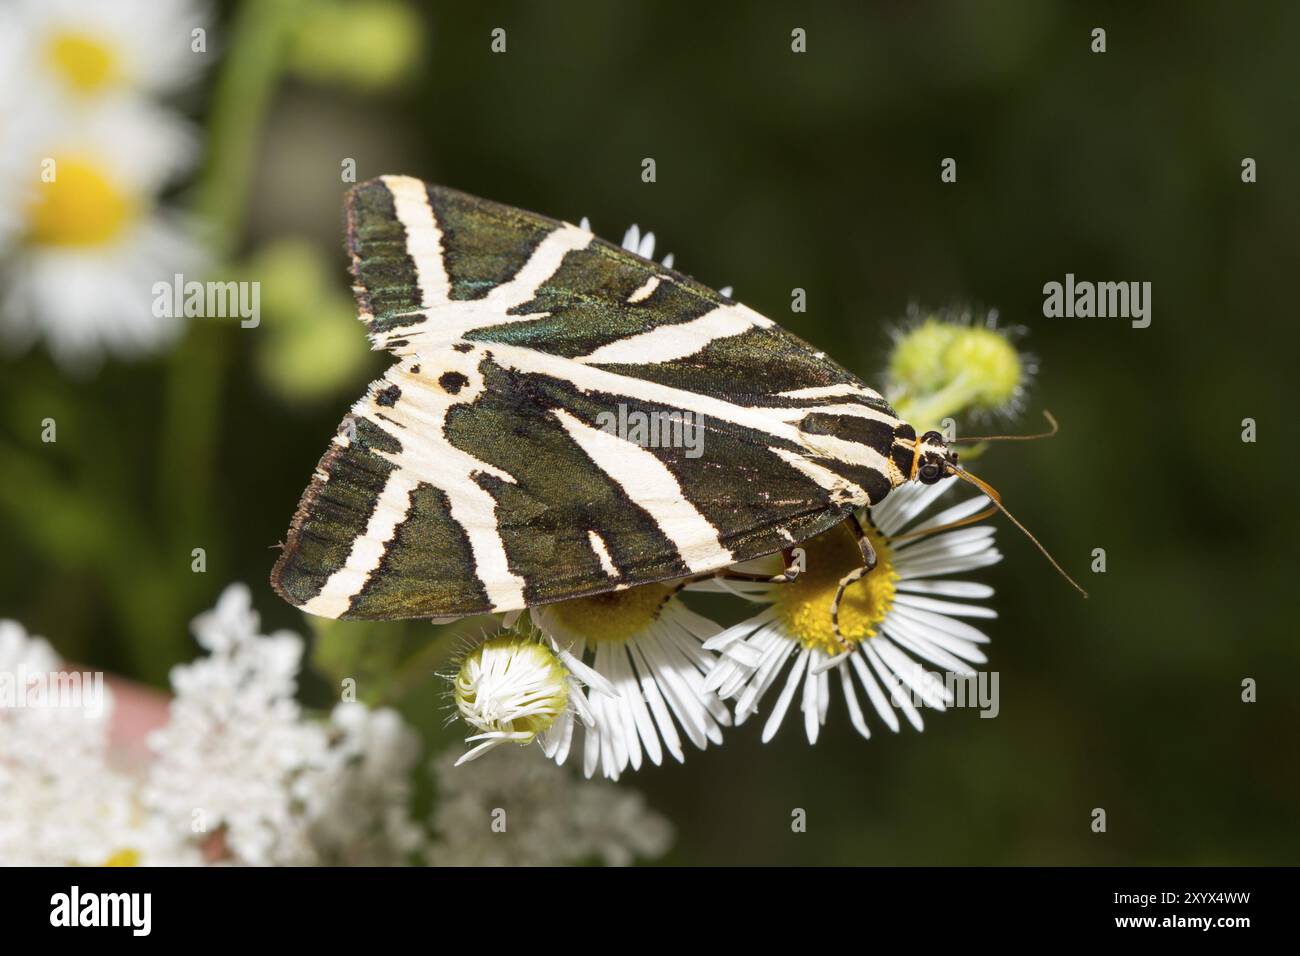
point(933, 458)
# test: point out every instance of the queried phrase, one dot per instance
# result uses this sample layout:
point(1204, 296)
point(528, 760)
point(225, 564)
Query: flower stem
point(241, 98)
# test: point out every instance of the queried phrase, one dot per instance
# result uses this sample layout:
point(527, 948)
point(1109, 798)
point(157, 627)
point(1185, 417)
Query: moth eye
point(929, 473)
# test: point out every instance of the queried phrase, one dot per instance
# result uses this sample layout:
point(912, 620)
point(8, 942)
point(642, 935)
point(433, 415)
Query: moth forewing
point(481, 473)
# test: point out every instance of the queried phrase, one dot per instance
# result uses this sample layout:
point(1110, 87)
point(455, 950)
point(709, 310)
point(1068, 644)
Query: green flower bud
point(369, 44)
point(942, 368)
point(310, 343)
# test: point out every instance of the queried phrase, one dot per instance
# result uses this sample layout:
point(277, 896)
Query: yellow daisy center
point(85, 62)
point(616, 616)
point(123, 858)
point(81, 206)
point(803, 607)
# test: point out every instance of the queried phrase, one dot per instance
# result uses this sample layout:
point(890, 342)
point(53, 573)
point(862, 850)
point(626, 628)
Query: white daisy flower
point(907, 612)
point(90, 48)
point(21, 111)
point(90, 243)
point(513, 688)
point(648, 647)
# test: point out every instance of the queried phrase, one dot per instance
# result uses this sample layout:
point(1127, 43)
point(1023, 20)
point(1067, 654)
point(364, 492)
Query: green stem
point(240, 103)
point(926, 411)
point(419, 667)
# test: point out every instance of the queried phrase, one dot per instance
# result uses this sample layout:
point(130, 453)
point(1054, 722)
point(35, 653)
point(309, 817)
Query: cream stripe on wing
point(602, 553)
point(767, 420)
point(422, 410)
point(651, 486)
point(423, 238)
point(445, 322)
point(828, 391)
point(391, 509)
point(644, 291)
point(669, 342)
point(840, 488)
point(416, 421)
point(541, 265)
point(860, 411)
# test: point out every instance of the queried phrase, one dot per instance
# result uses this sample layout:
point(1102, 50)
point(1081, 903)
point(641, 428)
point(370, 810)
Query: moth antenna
point(1047, 434)
point(989, 490)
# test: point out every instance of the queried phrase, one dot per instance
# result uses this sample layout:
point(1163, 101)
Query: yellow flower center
point(616, 616)
point(123, 858)
point(804, 606)
point(80, 207)
point(84, 62)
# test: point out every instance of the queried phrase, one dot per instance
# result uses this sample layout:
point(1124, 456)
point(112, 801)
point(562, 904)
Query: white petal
point(634, 694)
point(658, 707)
point(963, 509)
point(874, 693)
point(851, 698)
point(957, 589)
point(897, 693)
point(787, 692)
point(809, 706)
point(939, 622)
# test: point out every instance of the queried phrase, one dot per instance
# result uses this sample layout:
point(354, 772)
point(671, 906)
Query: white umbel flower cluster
point(242, 775)
point(238, 757)
point(63, 802)
point(511, 809)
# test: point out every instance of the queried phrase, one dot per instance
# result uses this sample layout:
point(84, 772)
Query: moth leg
point(791, 567)
point(868, 565)
point(785, 577)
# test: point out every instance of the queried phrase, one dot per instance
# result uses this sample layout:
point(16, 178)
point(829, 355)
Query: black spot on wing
point(452, 382)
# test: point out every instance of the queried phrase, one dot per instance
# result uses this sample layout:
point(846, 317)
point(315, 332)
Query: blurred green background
point(818, 171)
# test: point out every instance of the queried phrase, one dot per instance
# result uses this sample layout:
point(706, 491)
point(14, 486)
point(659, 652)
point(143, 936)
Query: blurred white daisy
point(907, 611)
point(647, 646)
point(91, 242)
point(21, 112)
point(94, 48)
